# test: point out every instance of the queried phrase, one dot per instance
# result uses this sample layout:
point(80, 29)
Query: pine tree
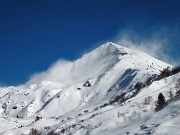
point(161, 102)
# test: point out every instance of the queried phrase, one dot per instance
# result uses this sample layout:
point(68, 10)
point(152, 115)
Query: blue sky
point(36, 33)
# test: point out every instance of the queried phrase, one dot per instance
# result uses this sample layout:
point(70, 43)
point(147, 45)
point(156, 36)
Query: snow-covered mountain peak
point(111, 48)
point(97, 62)
point(73, 96)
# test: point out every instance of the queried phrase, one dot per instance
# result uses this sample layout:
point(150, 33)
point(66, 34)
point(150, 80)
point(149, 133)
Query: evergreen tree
point(161, 102)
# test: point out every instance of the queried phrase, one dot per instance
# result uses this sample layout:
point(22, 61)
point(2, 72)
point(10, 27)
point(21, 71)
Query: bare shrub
point(52, 133)
point(165, 72)
point(171, 96)
point(34, 131)
point(147, 100)
point(138, 86)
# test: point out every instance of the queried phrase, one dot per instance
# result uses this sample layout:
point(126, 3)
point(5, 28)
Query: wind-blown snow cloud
point(158, 44)
point(52, 74)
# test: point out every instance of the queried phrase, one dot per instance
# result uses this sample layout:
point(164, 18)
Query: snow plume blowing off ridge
point(52, 74)
point(157, 44)
point(104, 57)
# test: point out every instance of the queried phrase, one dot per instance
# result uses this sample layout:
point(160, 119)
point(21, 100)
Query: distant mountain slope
point(84, 96)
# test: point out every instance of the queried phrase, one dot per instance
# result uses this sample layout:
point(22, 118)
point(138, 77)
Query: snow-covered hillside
point(96, 95)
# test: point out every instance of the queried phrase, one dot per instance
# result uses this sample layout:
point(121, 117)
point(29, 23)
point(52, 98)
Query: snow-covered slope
point(75, 97)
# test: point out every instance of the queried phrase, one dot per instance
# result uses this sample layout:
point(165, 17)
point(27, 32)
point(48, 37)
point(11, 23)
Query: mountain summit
point(110, 90)
point(96, 62)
